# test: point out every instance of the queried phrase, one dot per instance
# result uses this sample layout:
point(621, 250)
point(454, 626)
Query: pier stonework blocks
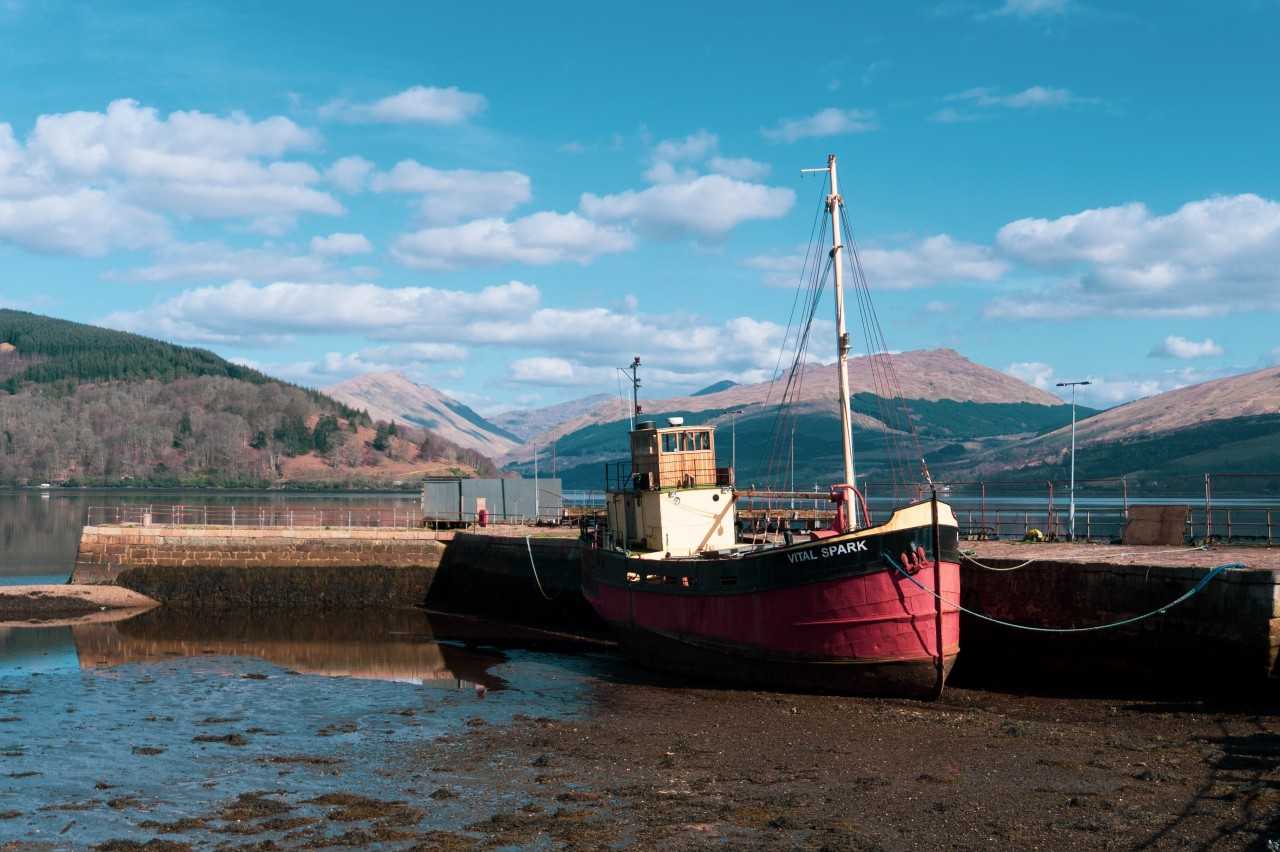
point(1230, 631)
point(219, 567)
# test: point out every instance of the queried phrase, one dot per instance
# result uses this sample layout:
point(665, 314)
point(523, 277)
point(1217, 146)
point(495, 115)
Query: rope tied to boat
point(1183, 598)
point(966, 555)
point(541, 591)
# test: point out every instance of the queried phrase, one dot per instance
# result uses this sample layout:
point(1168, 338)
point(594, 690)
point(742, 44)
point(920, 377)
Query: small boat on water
point(858, 608)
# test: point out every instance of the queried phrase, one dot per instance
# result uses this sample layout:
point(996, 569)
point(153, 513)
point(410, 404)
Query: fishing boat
point(856, 608)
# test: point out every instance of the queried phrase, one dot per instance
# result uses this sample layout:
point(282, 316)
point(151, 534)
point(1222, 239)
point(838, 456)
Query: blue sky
point(509, 201)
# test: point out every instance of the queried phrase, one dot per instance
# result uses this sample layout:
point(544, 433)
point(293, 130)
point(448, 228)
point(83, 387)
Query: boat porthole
point(715, 497)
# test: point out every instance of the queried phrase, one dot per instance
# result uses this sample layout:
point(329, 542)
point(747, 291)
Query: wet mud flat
point(664, 766)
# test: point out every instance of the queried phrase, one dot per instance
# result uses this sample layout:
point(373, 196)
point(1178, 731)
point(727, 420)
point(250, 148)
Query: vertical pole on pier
point(940, 662)
point(1208, 510)
point(1050, 526)
point(983, 507)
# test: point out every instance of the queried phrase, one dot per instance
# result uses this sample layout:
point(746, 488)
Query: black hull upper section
point(772, 568)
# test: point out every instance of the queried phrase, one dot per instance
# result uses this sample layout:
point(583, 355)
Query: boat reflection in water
point(395, 645)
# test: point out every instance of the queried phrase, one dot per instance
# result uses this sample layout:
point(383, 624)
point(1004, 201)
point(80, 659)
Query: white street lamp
point(1071, 512)
point(733, 444)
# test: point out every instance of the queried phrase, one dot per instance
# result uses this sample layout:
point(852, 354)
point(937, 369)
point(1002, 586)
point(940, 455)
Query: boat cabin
point(678, 456)
point(676, 502)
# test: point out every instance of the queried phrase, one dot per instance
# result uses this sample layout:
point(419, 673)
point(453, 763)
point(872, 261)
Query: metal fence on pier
point(393, 517)
point(1235, 508)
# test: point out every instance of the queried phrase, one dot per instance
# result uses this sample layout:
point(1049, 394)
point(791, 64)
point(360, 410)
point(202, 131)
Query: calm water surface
point(108, 729)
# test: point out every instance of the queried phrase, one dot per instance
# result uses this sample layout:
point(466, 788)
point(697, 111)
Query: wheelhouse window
point(671, 442)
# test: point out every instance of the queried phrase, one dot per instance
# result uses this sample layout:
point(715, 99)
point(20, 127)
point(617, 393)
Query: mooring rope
point(1185, 596)
point(529, 547)
point(1022, 565)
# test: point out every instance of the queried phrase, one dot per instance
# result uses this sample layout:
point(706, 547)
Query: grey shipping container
point(505, 499)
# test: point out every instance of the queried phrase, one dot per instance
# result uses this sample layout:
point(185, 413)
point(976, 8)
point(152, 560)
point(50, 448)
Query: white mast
point(842, 336)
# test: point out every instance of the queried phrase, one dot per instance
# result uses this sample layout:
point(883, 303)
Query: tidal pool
point(128, 729)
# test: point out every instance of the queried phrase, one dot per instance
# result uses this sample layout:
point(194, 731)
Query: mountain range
point(86, 404)
point(956, 405)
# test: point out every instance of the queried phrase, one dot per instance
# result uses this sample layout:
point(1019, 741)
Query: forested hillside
point(85, 405)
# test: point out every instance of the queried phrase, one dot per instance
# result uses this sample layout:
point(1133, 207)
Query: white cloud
point(1034, 97)
point(694, 147)
point(424, 325)
point(243, 312)
point(559, 372)
point(1035, 373)
point(539, 239)
point(951, 115)
point(928, 261)
point(1032, 8)
point(401, 353)
point(418, 360)
point(341, 244)
point(89, 182)
point(827, 122)
point(215, 261)
point(1104, 392)
point(708, 206)
point(742, 168)
point(451, 196)
point(1211, 257)
point(350, 174)
point(86, 222)
point(1174, 346)
point(572, 148)
point(192, 163)
point(415, 105)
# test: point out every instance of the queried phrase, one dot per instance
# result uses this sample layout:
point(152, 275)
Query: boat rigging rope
point(1185, 596)
point(541, 591)
point(973, 561)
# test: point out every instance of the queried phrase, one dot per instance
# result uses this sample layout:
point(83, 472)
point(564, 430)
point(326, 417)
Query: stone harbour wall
point(1230, 630)
point(211, 567)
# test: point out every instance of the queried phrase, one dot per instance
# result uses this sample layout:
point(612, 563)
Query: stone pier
point(217, 567)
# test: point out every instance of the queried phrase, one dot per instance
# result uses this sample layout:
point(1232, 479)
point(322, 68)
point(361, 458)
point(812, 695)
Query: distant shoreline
point(189, 489)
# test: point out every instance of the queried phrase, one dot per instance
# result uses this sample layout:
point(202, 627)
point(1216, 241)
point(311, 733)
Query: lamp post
point(733, 444)
point(1071, 511)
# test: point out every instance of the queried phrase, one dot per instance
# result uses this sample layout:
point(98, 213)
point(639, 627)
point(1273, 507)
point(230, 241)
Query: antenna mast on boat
point(635, 391)
point(842, 336)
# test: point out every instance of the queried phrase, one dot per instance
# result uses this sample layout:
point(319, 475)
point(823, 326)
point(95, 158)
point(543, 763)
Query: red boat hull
point(848, 622)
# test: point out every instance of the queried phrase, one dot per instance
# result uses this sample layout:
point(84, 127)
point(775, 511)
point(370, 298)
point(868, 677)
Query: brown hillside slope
point(393, 397)
point(1245, 395)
